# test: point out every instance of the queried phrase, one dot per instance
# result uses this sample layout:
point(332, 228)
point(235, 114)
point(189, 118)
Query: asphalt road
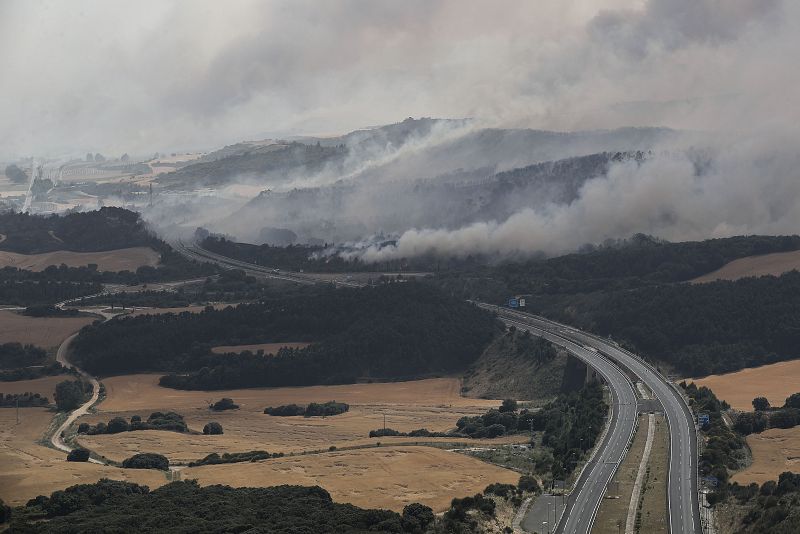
point(199, 254)
point(581, 506)
point(682, 498)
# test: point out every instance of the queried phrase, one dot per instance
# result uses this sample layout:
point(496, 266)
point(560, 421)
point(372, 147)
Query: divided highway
point(682, 498)
point(581, 508)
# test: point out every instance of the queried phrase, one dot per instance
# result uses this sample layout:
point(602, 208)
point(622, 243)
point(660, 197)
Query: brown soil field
point(774, 264)
point(112, 260)
point(434, 404)
point(380, 477)
point(774, 451)
point(43, 386)
point(44, 332)
point(775, 382)
point(28, 469)
point(268, 348)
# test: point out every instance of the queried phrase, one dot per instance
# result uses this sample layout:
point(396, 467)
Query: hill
point(385, 332)
point(91, 231)
point(110, 506)
point(519, 366)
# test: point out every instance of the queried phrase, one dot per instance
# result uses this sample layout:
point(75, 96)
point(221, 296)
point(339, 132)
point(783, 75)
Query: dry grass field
point(775, 382)
point(44, 332)
point(381, 477)
point(774, 264)
point(774, 451)
point(654, 494)
point(28, 469)
point(113, 260)
point(268, 348)
point(434, 404)
point(43, 386)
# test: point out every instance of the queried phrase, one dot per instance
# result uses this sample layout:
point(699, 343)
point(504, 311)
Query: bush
point(212, 429)
point(509, 405)
point(224, 404)
point(117, 425)
point(78, 455)
point(147, 460)
point(312, 410)
point(528, 483)
point(501, 490)
point(288, 410)
point(383, 432)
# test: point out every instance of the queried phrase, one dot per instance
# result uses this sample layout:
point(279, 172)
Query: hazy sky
point(122, 76)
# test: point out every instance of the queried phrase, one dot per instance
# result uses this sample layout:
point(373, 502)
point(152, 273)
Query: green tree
point(761, 404)
point(416, 518)
point(69, 395)
point(15, 174)
point(212, 428)
point(78, 455)
point(509, 405)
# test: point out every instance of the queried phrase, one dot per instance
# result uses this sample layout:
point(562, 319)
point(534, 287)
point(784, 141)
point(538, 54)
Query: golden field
point(45, 332)
point(28, 469)
point(768, 264)
point(774, 451)
point(113, 260)
point(775, 382)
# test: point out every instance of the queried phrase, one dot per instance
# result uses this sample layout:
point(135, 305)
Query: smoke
point(120, 77)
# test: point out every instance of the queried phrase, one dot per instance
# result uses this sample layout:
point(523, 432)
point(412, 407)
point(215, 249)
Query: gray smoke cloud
point(119, 77)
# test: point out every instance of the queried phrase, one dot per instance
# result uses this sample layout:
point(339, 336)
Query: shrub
point(383, 432)
point(288, 410)
point(147, 460)
point(213, 428)
point(528, 483)
point(509, 405)
point(117, 425)
point(78, 455)
point(224, 404)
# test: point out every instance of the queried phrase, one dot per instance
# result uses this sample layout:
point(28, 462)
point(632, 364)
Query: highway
point(682, 497)
point(582, 505)
point(199, 254)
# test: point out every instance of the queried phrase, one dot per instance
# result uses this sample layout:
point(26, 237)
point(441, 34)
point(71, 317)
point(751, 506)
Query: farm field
point(268, 348)
point(28, 469)
point(45, 386)
point(774, 451)
point(434, 404)
point(113, 260)
point(44, 332)
point(381, 477)
point(775, 382)
point(768, 264)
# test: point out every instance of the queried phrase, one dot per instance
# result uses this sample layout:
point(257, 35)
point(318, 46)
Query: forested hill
point(639, 261)
point(398, 330)
point(105, 229)
point(116, 506)
point(697, 329)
